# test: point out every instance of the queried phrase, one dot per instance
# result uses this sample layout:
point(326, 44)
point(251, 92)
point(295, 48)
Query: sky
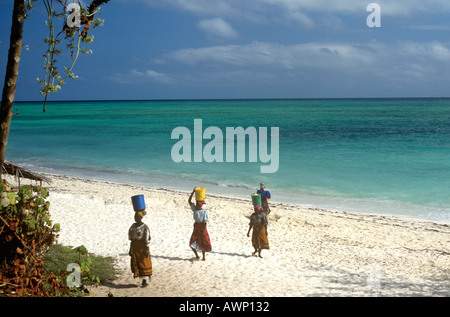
point(237, 49)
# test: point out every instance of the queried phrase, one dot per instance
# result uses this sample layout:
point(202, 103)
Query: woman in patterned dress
point(139, 234)
point(258, 222)
point(200, 240)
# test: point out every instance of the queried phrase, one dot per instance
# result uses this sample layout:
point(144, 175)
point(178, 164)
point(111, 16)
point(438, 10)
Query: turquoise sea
point(383, 156)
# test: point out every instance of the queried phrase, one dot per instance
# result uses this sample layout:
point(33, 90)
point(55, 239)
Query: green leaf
point(12, 198)
point(81, 250)
point(67, 249)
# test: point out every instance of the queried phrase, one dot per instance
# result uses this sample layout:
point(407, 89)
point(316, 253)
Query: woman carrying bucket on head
point(258, 222)
point(265, 196)
point(200, 236)
point(139, 234)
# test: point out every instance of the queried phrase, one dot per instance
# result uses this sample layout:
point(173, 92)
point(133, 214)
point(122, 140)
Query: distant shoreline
point(235, 99)
point(374, 217)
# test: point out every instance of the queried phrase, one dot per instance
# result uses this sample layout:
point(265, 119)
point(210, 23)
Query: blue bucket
point(138, 202)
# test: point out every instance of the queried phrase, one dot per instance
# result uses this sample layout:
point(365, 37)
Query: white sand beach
point(313, 252)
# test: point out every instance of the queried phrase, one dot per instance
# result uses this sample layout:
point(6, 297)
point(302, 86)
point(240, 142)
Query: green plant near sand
point(30, 262)
point(94, 269)
point(26, 233)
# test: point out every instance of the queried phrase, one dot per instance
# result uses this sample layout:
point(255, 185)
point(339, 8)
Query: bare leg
point(195, 252)
point(203, 252)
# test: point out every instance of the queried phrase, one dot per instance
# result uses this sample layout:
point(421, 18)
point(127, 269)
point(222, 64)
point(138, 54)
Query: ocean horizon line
point(235, 99)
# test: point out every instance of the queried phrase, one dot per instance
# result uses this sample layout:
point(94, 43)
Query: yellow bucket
point(200, 193)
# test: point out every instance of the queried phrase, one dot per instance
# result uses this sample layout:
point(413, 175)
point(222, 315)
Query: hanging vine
point(72, 16)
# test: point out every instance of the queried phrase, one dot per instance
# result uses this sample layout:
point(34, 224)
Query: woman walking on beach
point(258, 222)
point(265, 196)
point(139, 234)
point(200, 236)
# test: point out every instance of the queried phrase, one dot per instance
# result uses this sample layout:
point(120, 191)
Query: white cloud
point(434, 51)
point(308, 69)
point(159, 77)
point(402, 61)
point(209, 7)
point(254, 8)
point(272, 54)
point(305, 13)
point(135, 76)
point(390, 7)
point(384, 61)
point(217, 28)
point(429, 27)
point(301, 18)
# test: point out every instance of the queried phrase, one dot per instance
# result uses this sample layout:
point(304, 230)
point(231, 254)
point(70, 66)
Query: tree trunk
point(12, 71)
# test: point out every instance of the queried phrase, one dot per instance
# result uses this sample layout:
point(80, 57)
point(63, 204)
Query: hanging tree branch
point(88, 19)
point(53, 81)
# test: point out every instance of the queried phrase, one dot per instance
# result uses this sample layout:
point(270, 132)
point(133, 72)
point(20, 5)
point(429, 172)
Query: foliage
point(94, 269)
point(26, 233)
point(30, 263)
point(76, 40)
point(85, 263)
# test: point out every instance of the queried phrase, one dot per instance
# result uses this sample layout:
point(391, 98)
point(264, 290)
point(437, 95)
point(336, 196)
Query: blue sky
point(211, 49)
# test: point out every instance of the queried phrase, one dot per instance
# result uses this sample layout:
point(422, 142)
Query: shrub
point(26, 234)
